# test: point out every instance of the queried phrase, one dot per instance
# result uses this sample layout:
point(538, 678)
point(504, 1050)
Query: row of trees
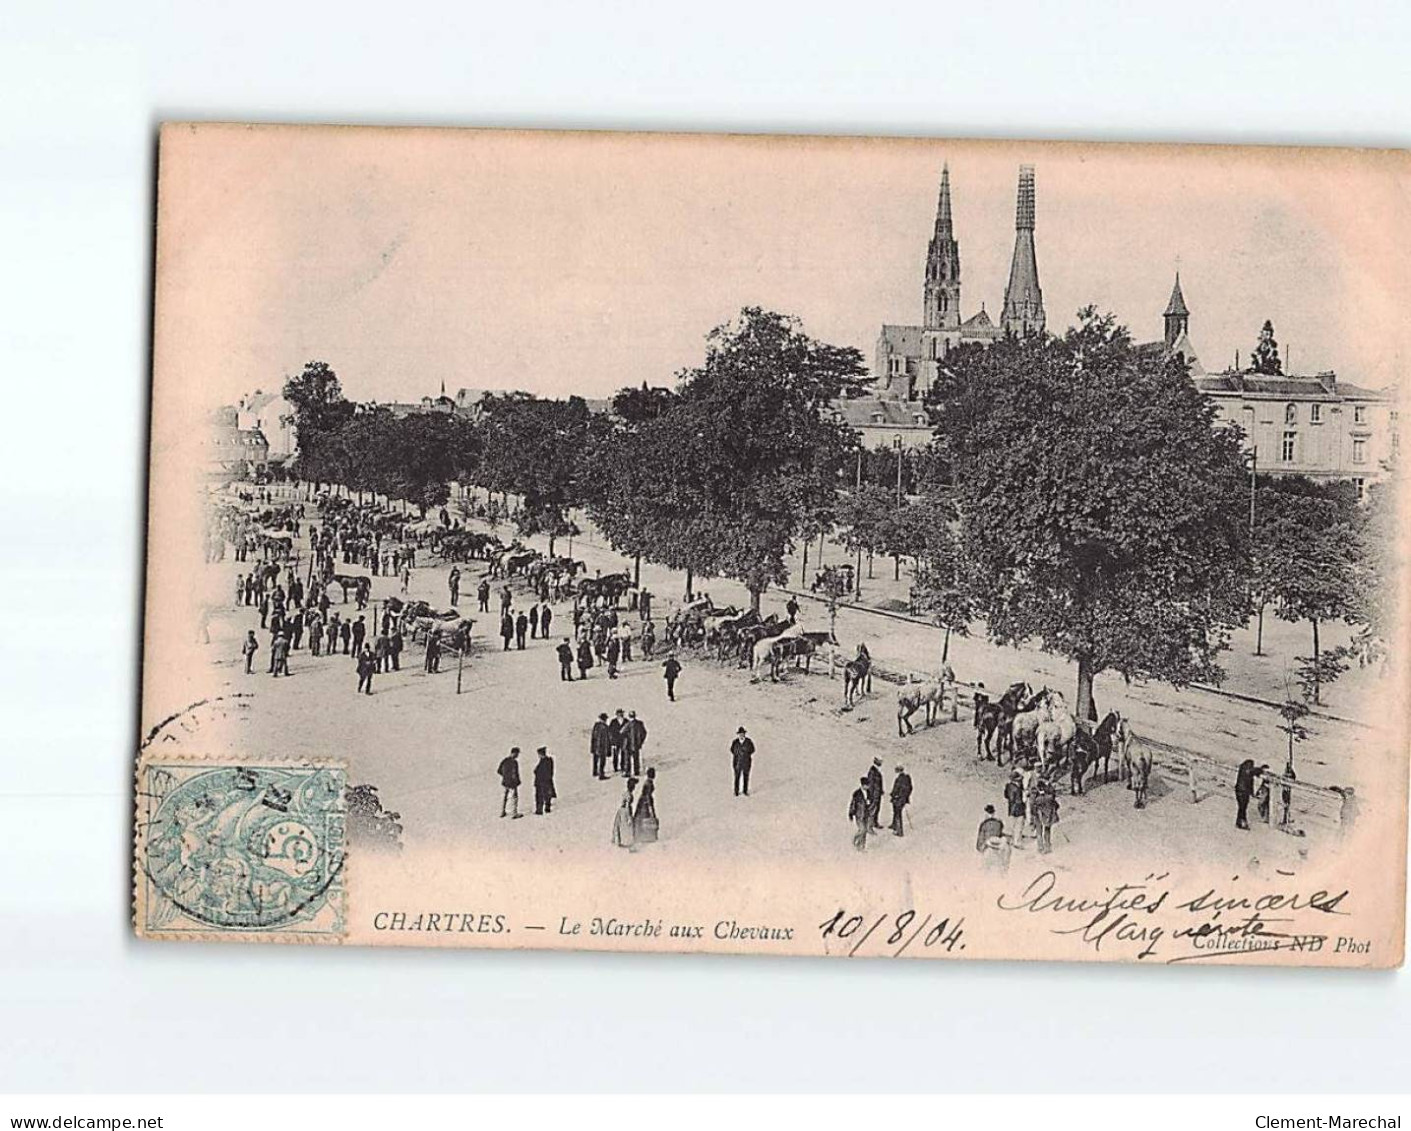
point(1076, 491)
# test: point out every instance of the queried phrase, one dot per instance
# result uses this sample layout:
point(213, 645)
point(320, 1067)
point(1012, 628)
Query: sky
point(583, 262)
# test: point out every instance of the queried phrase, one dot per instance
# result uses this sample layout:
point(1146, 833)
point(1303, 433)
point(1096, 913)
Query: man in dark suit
point(615, 728)
point(509, 781)
point(565, 655)
point(874, 795)
point(544, 783)
point(741, 760)
point(901, 797)
point(601, 747)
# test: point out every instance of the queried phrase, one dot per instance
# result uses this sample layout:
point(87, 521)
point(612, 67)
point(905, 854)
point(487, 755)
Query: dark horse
point(996, 718)
point(1106, 737)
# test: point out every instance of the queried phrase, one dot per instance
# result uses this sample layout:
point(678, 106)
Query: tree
point(1098, 506)
point(320, 410)
point(536, 448)
point(925, 529)
point(768, 451)
point(1305, 547)
point(1265, 358)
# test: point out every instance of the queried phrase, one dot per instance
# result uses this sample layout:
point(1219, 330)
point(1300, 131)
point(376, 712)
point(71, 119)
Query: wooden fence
point(1200, 775)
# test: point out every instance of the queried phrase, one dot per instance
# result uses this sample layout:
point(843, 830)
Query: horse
point(1083, 753)
point(764, 649)
point(855, 673)
point(1105, 736)
point(914, 696)
point(998, 718)
point(1059, 727)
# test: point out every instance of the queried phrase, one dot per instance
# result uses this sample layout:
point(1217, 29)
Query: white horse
point(763, 650)
point(1055, 732)
point(912, 697)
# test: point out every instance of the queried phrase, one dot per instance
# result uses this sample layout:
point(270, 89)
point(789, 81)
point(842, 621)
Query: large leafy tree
point(320, 411)
point(723, 478)
point(1099, 508)
point(767, 450)
point(536, 448)
point(1306, 549)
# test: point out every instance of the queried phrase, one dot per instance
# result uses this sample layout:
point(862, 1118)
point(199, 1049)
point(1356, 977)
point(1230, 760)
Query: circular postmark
point(247, 848)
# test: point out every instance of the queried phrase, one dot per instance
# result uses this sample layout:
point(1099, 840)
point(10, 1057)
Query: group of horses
point(1024, 723)
point(758, 642)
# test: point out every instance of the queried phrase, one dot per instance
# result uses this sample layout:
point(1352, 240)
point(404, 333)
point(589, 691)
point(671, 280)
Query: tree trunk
point(869, 565)
point(551, 543)
point(688, 585)
point(896, 563)
point(1259, 634)
point(1085, 708)
point(1317, 681)
point(637, 572)
point(755, 595)
point(945, 646)
point(803, 569)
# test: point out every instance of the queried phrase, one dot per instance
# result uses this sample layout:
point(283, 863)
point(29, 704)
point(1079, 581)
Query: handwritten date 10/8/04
point(892, 935)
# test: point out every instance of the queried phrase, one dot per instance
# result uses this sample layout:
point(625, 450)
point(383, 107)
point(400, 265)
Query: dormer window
point(1291, 414)
point(877, 418)
point(920, 418)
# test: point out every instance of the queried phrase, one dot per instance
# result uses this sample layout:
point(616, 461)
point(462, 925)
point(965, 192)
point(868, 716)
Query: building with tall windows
point(1315, 425)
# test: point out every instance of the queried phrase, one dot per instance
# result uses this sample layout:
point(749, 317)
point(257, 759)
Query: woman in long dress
point(644, 820)
point(623, 834)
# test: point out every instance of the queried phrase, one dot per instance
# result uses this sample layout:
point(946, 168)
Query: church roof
point(1177, 305)
point(979, 321)
point(880, 412)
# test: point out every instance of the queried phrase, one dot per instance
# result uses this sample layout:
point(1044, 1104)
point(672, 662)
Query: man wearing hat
point(1014, 803)
point(857, 813)
point(600, 747)
point(544, 783)
point(901, 796)
point(741, 759)
point(509, 782)
point(874, 795)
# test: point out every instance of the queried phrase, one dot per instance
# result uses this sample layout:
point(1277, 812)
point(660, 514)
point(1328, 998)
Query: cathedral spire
point(943, 219)
point(941, 296)
point(1023, 312)
point(1176, 317)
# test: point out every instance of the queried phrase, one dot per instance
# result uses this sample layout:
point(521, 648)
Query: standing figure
point(521, 628)
point(644, 819)
point(249, 648)
point(613, 651)
point(483, 595)
point(453, 583)
point(585, 658)
point(565, 655)
point(623, 834)
point(901, 797)
point(509, 782)
point(991, 843)
point(615, 729)
point(533, 621)
point(1244, 790)
point(546, 618)
point(1045, 809)
point(544, 783)
point(600, 747)
point(874, 795)
point(1014, 803)
point(506, 629)
point(857, 813)
point(741, 760)
point(671, 670)
point(279, 654)
point(366, 666)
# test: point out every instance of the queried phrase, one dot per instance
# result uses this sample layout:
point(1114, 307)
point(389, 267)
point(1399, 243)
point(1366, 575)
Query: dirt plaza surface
point(433, 754)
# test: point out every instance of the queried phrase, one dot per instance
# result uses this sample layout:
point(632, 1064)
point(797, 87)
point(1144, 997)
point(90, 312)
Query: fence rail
point(1203, 775)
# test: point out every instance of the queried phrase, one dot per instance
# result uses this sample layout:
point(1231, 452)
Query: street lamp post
point(857, 572)
point(896, 557)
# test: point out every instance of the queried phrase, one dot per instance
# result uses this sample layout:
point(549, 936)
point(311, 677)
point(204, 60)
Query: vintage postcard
point(776, 545)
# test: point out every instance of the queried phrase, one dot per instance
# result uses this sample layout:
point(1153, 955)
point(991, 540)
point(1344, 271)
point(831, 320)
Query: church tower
point(1177, 317)
point(941, 300)
point(1023, 300)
